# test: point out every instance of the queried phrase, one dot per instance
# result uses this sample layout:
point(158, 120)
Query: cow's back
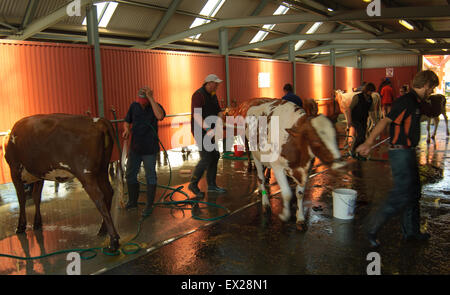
point(288, 115)
point(43, 143)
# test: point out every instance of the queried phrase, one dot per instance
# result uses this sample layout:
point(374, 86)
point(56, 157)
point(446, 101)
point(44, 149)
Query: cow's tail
point(114, 138)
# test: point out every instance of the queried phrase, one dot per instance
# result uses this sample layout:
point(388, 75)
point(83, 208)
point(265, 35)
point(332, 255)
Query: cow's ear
point(292, 132)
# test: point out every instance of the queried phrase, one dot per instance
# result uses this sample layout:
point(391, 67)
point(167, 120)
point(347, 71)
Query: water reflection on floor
point(245, 242)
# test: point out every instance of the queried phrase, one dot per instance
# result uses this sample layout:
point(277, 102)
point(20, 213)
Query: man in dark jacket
point(404, 120)
point(290, 96)
point(359, 112)
point(143, 115)
point(205, 110)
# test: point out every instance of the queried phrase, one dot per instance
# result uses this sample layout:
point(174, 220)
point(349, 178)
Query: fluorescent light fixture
point(445, 49)
point(406, 24)
point(105, 11)
point(311, 30)
point(282, 9)
point(210, 9)
point(367, 1)
point(431, 41)
point(330, 9)
point(108, 14)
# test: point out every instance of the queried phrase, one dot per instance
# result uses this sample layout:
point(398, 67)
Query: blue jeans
point(134, 164)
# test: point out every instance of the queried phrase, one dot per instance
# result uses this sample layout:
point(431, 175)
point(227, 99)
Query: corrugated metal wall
point(347, 78)
point(244, 78)
point(42, 78)
point(48, 78)
point(402, 75)
point(174, 77)
point(389, 60)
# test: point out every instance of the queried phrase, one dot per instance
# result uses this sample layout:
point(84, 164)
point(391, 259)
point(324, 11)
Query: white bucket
point(344, 203)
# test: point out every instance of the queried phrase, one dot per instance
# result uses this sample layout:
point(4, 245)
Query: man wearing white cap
point(205, 99)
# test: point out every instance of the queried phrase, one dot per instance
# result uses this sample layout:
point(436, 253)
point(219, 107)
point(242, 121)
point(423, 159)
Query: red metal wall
point(244, 78)
point(174, 77)
point(43, 78)
point(48, 78)
point(347, 78)
point(402, 75)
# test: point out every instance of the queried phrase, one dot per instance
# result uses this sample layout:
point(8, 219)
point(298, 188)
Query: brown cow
point(59, 147)
point(437, 108)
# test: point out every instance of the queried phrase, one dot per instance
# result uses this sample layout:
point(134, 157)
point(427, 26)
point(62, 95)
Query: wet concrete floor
point(246, 241)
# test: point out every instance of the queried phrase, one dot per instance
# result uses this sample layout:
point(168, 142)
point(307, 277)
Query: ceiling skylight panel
point(282, 9)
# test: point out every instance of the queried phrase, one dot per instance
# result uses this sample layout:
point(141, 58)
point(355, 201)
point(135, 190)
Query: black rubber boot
point(151, 191)
point(133, 195)
point(411, 224)
point(376, 223)
point(193, 187)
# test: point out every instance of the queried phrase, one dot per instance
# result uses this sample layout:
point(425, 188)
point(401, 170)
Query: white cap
point(212, 78)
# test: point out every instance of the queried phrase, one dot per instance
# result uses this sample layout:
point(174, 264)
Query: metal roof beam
point(435, 12)
point(283, 47)
point(354, 53)
point(165, 19)
point(29, 13)
point(262, 4)
point(297, 37)
point(342, 36)
point(46, 21)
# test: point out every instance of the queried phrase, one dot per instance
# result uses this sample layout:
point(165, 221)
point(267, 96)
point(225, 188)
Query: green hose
point(134, 246)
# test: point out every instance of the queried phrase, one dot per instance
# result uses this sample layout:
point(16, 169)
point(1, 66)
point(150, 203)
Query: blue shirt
point(144, 140)
point(290, 96)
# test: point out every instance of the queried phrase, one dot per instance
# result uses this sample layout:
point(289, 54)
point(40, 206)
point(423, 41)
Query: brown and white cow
point(59, 147)
point(300, 139)
point(344, 99)
point(438, 102)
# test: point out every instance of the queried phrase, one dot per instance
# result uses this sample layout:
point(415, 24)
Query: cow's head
point(318, 135)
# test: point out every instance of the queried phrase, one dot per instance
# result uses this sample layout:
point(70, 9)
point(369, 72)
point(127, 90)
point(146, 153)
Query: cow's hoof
point(428, 140)
point(267, 211)
point(433, 137)
point(102, 231)
point(301, 226)
point(114, 245)
point(21, 229)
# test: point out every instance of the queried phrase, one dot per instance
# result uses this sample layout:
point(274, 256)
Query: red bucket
point(238, 153)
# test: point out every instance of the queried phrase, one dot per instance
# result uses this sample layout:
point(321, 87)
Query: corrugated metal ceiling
point(141, 20)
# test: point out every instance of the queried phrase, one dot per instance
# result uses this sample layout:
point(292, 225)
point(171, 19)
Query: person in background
point(290, 96)
point(404, 120)
point(205, 99)
point(403, 90)
point(359, 112)
point(143, 115)
point(360, 88)
point(387, 97)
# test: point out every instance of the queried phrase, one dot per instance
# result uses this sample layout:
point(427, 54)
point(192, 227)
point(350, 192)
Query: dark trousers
point(404, 196)
point(360, 129)
point(134, 164)
point(208, 161)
